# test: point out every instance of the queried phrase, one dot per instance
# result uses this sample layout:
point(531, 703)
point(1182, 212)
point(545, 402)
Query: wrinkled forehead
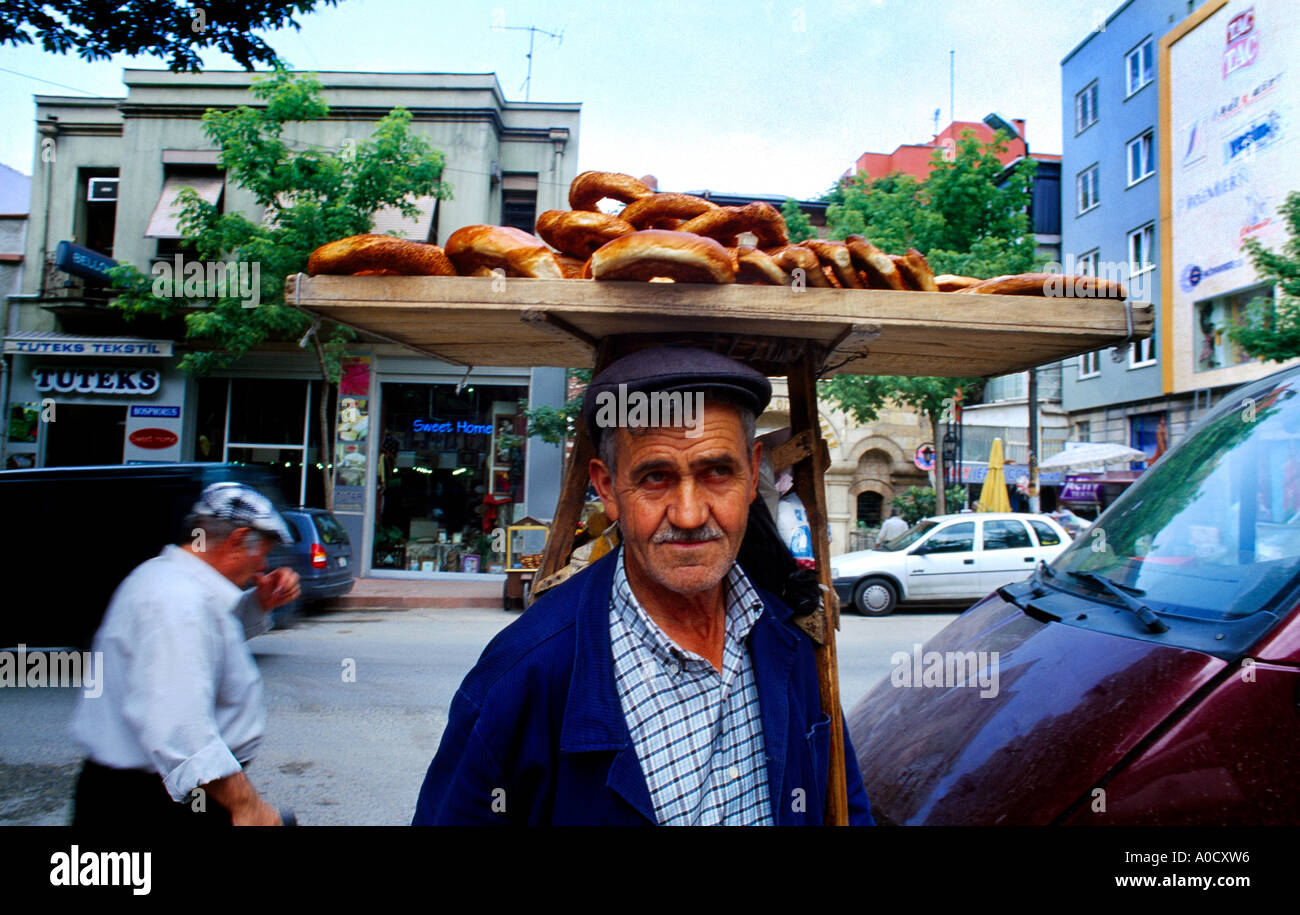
point(717, 426)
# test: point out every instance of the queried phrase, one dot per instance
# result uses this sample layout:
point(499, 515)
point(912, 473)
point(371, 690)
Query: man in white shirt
point(181, 712)
point(892, 527)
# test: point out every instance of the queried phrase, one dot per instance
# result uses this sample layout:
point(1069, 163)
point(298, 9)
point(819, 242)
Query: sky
point(759, 97)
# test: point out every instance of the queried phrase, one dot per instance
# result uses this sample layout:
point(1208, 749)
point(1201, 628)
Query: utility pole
point(997, 122)
point(1033, 440)
point(952, 84)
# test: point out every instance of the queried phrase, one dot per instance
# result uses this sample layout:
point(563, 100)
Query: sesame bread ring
point(1053, 285)
point(571, 267)
point(725, 223)
point(876, 264)
point(794, 257)
point(952, 282)
point(680, 256)
point(757, 268)
point(510, 249)
point(646, 212)
point(375, 253)
point(580, 232)
point(835, 254)
point(590, 188)
point(915, 270)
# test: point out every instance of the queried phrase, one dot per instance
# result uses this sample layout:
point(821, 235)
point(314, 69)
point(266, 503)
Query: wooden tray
point(525, 322)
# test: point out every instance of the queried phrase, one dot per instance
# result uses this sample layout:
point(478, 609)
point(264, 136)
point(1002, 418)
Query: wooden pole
point(809, 486)
point(573, 492)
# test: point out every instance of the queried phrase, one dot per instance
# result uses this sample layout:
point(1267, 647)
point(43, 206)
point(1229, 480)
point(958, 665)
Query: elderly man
point(182, 713)
point(893, 527)
point(658, 685)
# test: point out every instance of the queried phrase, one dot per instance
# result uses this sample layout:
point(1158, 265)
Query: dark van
point(69, 535)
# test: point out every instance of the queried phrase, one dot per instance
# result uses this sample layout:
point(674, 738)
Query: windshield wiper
point(1142, 611)
point(1028, 589)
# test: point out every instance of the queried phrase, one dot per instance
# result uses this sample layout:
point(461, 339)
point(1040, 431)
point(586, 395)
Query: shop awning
point(165, 221)
point(390, 220)
point(1088, 455)
point(53, 343)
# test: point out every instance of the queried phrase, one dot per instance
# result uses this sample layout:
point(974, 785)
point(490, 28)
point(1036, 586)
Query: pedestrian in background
point(181, 712)
point(893, 527)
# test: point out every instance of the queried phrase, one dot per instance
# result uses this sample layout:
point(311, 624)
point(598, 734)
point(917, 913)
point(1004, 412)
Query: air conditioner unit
point(102, 190)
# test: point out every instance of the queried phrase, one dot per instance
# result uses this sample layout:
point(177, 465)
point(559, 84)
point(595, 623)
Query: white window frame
point(1091, 94)
point(1086, 263)
point(1079, 181)
point(1148, 42)
point(1090, 365)
point(1149, 138)
point(227, 444)
point(1142, 353)
point(1136, 265)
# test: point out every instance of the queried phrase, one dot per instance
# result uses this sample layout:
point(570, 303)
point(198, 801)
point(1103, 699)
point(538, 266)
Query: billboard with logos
point(1229, 98)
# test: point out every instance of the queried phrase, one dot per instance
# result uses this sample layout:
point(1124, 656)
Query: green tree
point(862, 397)
point(311, 196)
point(964, 222)
point(1272, 327)
point(917, 502)
point(960, 217)
point(175, 30)
point(555, 424)
point(797, 224)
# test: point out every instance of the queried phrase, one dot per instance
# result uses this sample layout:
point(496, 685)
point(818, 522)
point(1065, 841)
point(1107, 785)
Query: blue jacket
point(536, 733)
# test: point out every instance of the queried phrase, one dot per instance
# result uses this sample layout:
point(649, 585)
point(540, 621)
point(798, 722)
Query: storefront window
point(267, 411)
point(266, 422)
point(450, 473)
point(85, 435)
point(1215, 317)
point(210, 422)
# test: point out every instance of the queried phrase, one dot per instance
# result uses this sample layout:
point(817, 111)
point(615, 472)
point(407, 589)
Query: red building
point(914, 159)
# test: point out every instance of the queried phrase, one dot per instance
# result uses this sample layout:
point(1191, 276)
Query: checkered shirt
point(697, 731)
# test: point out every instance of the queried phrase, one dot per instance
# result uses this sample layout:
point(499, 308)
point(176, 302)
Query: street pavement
point(356, 704)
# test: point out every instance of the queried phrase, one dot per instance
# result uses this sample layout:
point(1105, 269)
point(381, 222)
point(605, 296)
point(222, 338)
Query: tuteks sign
point(128, 381)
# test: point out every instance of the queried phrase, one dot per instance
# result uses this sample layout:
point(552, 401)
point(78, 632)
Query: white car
point(947, 558)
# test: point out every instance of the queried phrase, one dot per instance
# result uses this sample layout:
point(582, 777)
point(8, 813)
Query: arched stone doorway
point(871, 490)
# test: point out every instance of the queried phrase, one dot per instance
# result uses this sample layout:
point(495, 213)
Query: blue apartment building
point(1110, 208)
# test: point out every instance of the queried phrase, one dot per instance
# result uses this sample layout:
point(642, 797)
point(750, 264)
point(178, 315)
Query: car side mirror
point(920, 550)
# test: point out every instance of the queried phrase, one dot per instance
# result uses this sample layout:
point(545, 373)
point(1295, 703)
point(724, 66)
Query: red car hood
point(1070, 703)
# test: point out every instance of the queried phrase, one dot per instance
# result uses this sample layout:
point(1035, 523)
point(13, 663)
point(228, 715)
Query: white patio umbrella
point(1092, 455)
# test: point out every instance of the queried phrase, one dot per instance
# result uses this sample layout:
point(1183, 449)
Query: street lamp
point(997, 122)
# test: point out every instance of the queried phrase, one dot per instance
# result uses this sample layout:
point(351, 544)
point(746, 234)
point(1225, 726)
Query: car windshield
point(1213, 530)
point(909, 536)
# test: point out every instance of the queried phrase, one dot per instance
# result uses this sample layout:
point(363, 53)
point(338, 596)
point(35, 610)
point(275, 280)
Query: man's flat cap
point(242, 505)
point(676, 368)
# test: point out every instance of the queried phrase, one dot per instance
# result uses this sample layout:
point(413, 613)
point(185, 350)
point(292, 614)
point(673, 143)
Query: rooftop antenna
point(533, 31)
point(952, 83)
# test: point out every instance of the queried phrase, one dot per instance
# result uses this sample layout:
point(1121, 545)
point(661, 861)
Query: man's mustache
point(674, 534)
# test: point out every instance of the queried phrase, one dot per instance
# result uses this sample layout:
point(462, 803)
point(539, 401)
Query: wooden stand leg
point(811, 490)
point(573, 492)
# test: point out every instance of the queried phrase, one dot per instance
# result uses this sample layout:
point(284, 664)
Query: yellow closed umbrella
point(993, 495)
